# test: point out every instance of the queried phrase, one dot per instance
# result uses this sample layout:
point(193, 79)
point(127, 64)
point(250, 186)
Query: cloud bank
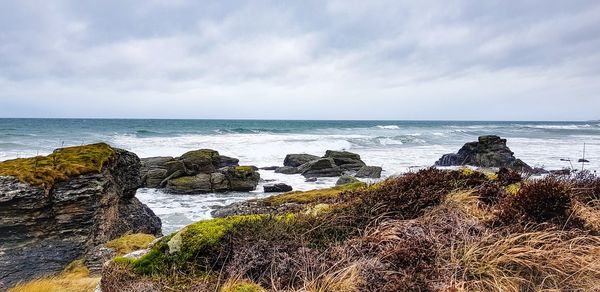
point(473, 60)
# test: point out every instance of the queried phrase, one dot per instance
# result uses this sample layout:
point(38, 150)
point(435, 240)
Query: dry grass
point(75, 278)
point(530, 261)
point(130, 242)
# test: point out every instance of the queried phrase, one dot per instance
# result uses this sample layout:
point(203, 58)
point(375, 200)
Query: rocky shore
point(68, 205)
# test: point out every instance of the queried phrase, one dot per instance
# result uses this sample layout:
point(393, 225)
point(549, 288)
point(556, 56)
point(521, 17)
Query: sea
point(397, 146)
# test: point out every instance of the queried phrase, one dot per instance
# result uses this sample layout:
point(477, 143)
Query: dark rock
point(295, 160)
point(277, 188)
point(199, 183)
point(241, 178)
point(369, 172)
point(155, 169)
point(345, 179)
point(311, 179)
point(42, 230)
point(287, 170)
point(269, 168)
point(561, 172)
point(345, 160)
point(200, 161)
point(489, 151)
point(324, 167)
point(225, 161)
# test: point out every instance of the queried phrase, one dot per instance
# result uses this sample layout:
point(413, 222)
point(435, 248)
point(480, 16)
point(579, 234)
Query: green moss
point(202, 153)
point(244, 169)
point(197, 240)
point(513, 189)
point(312, 196)
point(130, 242)
point(242, 286)
point(62, 164)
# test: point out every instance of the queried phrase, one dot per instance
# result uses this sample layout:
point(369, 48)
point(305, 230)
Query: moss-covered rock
point(62, 164)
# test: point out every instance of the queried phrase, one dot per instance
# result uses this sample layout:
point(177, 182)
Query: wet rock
point(345, 160)
point(346, 179)
point(369, 172)
point(295, 160)
point(241, 178)
point(311, 179)
point(277, 188)
point(324, 167)
point(488, 151)
point(287, 170)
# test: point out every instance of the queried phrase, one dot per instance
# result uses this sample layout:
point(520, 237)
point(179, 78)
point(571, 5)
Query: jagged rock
point(277, 188)
point(488, 151)
point(324, 167)
point(295, 160)
point(231, 178)
point(346, 179)
point(369, 172)
point(345, 160)
point(45, 226)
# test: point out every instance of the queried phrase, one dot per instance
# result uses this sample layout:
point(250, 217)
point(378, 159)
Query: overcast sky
point(466, 60)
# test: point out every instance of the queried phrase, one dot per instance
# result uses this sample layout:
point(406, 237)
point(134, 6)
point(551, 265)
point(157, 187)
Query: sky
point(398, 60)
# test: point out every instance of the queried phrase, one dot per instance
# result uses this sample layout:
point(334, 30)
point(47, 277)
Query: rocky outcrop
point(488, 151)
point(345, 160)
point(369, 172)
point(72, 201)
point(295, 160)
point(198, 171)
point(277, 188)
point(333, 163)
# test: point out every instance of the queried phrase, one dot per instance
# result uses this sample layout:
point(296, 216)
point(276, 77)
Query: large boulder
point(230, 178)
point(488, 151)
point(196, 171)
point(324, 167)
point(58, 208)
point(295, 160)
point(369, 172)
point(345, 160)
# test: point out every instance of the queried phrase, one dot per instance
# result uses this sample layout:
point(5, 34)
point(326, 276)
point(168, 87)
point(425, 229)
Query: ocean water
point(397, 146)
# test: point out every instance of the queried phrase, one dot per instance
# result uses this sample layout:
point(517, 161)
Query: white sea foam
point(388, 127)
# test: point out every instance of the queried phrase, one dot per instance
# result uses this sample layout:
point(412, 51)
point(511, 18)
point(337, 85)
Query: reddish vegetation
point(432, 230)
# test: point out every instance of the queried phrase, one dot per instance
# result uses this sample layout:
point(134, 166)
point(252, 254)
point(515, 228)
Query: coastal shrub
point(45, 171)
point(506, 176)
point(130, 242)
point(408, 195)
point(490, 193)
point(545, 200)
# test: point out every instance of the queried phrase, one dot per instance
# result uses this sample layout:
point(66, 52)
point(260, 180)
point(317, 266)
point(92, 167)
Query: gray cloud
point(301, 59)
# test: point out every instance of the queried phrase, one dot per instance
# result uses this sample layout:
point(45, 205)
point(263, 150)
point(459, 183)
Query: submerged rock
point(488, 151)
point(277, 188)
point(72, 201)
